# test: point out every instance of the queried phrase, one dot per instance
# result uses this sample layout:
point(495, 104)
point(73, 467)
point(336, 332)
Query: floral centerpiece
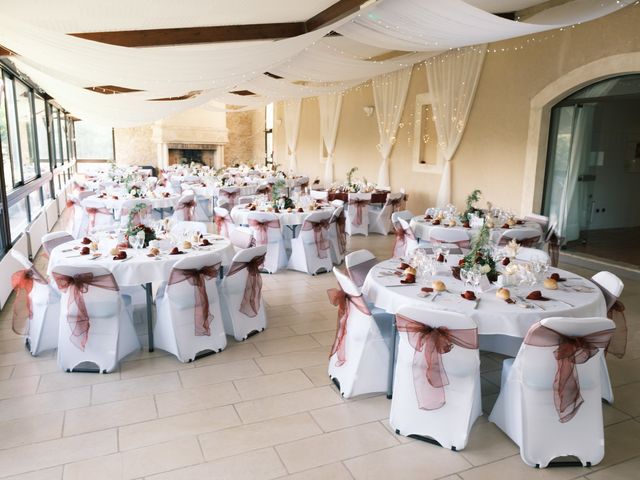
point(470, 208)
point(352, 186)
point(479, 258)
point(133, 228)
point(279, 192)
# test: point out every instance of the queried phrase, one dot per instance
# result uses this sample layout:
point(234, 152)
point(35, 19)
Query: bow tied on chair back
point(250, 304)
point(400, 243)
point(320, 229)
point(77, 286)
point(570, 351)
point(341, 299)
point(615, 312)
point(188, 209)
point(429, 344)
point(198, 278)
point(360, 204)
point(394, 203)
point(22, 282)
point(222, 224)
point(231, 196)
point(261, 227)
point(341, 231)
point(93, 212)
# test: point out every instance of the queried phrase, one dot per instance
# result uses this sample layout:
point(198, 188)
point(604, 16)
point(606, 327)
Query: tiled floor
point(262, 409)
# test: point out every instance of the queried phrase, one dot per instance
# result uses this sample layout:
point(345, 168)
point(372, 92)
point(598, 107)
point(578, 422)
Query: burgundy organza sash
point(303, 185)
point(198, 278)
point(341, 231)
point(320, 233)
point(188, 208)
point(358, 273)
point(261, 228)
point(615, 312)
point(400, 244)
point(69, 213)
point(250, 304)
point(360, 205)
point(49, 245)
point(222, 224)
point(22, 283)
point(394, 203)
point(77, 286)
point(339, 298)
point(570, 351)
point(525, 242)
point(429, 344)
point(93, 212)
point(231, 196)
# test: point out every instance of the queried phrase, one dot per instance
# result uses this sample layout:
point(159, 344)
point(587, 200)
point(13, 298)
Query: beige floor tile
point(245, 438)
point(152, 366)
point(109, 415)
point(18, 387)
point(353, 412)
point(54, 473)
point(286, 345)
point(272, 332)
point(331, 447)
point(320, 305)
point(277, 383)
point(211, 374)
point(487, 443)
point(514, 467)
point(256, 465)
point(59, 380)
point(57, 452)
point(623, 371)
point(23, 356)
point(414, 460)
point(314, 326)
point(325, 338)
point(622, 442)
point(612, 415)
point(134, 387)
point(36, 368)
point(233, 353)
point(10, 345)
point(335, 471)
point(44, 403)
point(290, 361)
point(137, 463)
point(627, 399)
point(623, 471)
point(32, 429)
point(279, 311)
point(318, 375)
point(179, 426)
point(197, 398)
point(5, 372)
point(293, 319)
point(286, 404)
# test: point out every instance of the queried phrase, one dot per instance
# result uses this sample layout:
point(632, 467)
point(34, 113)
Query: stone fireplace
point(190, 152)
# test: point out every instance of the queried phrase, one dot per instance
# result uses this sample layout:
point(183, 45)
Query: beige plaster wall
point(491, 156)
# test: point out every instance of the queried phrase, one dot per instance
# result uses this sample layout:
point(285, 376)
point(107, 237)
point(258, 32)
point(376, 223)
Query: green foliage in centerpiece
point(278, 191)
point(470, 209)
point(480, 255)
point(133, 228)
point(353, 187)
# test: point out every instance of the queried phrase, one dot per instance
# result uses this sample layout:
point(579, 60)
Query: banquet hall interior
point(349, 239)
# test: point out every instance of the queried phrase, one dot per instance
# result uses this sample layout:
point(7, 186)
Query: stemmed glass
point(465, 277)
point(445, 252)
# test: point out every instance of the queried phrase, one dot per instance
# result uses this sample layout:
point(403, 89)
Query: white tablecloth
point(493, 315)
point(240, 215)
point(140, 268)
point(116, 204)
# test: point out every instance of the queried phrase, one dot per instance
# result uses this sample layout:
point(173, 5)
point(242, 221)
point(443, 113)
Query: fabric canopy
point(330, 109)
point(292, 110)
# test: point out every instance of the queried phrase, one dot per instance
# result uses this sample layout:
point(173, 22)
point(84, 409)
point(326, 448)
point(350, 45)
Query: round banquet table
point(376, 197)
point(240, 216)
point(116, 203)
point(245, 190)
point(422, 228)
point(137, 269)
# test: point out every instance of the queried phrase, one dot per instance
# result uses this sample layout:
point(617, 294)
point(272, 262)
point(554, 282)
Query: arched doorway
point(592, 174)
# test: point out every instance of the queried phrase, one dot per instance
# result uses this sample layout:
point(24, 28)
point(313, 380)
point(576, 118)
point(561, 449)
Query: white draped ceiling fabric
point(292, 109)
point(330, 109)
point(389, 96)
point(452, 81)
point(311, 64)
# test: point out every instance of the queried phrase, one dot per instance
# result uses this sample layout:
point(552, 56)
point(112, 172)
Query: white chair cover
point(358, 214)
point(406, 241)
point(53, 239)
point(224, 222)
point(456, 236)
point(178, 304)
point(266, 230)
point(525, 409)
point(532, 255)
point(185, 210)
point(96, 216)
point(449, 420)
point(229, 195)
point(358, 264)
point(380, 218)
point(337, 235)
point(528, 237)
point(306, 254)
point(319, 195)
point(182, 228)
point(359, 362)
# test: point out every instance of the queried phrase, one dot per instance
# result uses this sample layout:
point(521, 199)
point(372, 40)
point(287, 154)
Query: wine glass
point(445, 249)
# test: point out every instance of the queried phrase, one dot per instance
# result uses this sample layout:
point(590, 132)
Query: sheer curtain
point(452, 80)
point(389, 96)
point(330, 108)
point(292, 110)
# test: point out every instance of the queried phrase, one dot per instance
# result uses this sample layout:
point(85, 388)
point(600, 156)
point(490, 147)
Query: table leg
point(147, 288)
point(293, 230)
point(392, 357)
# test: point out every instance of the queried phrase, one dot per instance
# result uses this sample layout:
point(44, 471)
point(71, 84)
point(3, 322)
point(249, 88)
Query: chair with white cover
point(452, 236)
point(243, 310)
point(301, 183)
point(526, 236)
point(528, 254)
point(185, 209)
point(380, 218)
point(359, 361)
point(358, 264)
point(180, 229)
point(98, 216)
point(436, 390)
point(266, 230)
point(229, 195)
point(357, 212)
point(338, 235)
point(405, 242)
point(36, 309)
point(310, 250)
point(549, 402)
point(189, 319)
point(245, 199)
point(541, 220)
point(224, 222)
point(322, 195)
point(95, 324)
point(52, 239)
point(76, 221)
point(241, 238)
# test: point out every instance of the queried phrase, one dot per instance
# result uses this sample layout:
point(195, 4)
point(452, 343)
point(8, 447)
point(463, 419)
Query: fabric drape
point(22, 282)
point(187, 209)
point(452, 79)
point(400, 242)
point(261, 228)
point(330, 109)
point(222, 224)
point(389, 96)
point(292, 109)
point(250, 304)
point(360, 204)
point(339, 298)
point(320, 235)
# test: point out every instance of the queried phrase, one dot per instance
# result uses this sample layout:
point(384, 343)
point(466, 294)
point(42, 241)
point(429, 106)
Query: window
point(26, 131)
point(93, 142)
point(18, 218)
point(268, 134)
point(4, 139)
point(426, 157)
point(57, 147)
point(42, 133)
point(15, 167)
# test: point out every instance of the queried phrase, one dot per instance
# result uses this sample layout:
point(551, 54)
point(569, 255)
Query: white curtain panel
point(452, 80)
point(330, 108)
point(292, 109)
point(389, 96)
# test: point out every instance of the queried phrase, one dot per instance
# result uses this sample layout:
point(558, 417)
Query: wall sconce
point(368, 110)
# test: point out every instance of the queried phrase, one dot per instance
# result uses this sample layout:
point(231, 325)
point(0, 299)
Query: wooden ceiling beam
point(162, 37)
point(5, 52)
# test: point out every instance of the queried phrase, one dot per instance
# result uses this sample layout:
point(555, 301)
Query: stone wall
point(246, 138)
point(134, 146)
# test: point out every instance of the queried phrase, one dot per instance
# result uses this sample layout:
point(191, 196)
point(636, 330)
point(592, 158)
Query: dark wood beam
point(223, 33)
point(111, 89)
point(186, 96)
point(5, 52)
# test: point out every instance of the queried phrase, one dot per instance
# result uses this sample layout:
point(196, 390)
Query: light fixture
point(368, 110)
